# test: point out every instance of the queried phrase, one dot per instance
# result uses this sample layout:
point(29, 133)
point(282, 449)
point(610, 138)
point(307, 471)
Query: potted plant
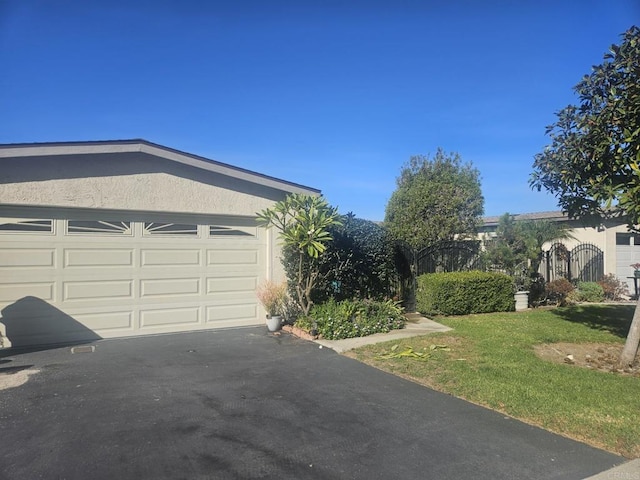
point(636, 269)
point(273, 297)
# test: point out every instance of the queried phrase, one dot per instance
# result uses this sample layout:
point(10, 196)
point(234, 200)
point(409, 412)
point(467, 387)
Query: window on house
point(15, 225)
point(107, 227)
point(628, 239)
point(170, 229)
point(219, 231)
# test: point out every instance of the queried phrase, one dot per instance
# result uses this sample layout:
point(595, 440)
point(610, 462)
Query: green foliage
point(302, 222)
point(461, 293)
point(358, 262)
point(613, 288)
point(356, 318)
point(558, 290)
point(519, 244)
point(508, 249)
point(436, 199)
point(587, 292)
point(593, 163)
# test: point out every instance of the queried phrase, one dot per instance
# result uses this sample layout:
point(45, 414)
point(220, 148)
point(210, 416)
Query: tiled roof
point(553, 215)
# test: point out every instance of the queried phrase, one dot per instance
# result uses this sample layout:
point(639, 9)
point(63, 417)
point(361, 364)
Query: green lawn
point(491, 362)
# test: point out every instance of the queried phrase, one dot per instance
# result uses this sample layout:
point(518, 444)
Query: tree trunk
point(630, 349)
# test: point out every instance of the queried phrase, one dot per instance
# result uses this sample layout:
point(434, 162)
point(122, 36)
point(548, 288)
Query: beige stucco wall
point(142, 192)
point(128, 182)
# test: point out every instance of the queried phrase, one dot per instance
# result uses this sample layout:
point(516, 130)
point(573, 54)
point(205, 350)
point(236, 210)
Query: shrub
point(355, 318)
point(537, 290)
point(587, 292)
point(358, 263)
point(461, 293)
point(613, 288)
point(558, 290)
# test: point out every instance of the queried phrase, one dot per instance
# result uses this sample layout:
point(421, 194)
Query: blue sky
point(335, 95)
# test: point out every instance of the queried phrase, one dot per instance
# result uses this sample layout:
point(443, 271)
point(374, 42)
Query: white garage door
point(89, 275)
point(627, 253)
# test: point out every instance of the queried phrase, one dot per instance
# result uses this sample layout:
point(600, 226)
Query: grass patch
point(492, 362)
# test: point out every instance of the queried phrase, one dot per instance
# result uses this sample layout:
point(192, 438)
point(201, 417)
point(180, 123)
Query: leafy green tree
point(593, 162)
point(436, 199)
point(302, 222)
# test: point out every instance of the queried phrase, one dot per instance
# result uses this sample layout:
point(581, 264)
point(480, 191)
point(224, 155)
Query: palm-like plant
point(302, 222)
point(518, 245)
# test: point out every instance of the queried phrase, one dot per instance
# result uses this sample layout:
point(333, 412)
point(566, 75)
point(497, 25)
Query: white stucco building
point(122, 238)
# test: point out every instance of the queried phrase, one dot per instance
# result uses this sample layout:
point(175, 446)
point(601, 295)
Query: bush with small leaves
point(587, 292)
point(558, 290)
point(356, 318)
point(613, 288)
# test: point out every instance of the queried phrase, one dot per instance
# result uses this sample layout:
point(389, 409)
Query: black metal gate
point(448, 256)
point(444, 256)
point(584, 263)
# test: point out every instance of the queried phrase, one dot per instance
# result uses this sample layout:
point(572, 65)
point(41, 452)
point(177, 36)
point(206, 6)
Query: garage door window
point(219, 231)
point(107, 227)
point(156, 229)
point(13, 225)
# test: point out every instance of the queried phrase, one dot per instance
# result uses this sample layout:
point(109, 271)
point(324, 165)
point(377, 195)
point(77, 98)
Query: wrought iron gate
point(584, 263)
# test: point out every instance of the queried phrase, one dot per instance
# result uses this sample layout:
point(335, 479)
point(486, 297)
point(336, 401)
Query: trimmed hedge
point(462, 293)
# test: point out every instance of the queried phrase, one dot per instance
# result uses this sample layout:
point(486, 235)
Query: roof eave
point(150, 148)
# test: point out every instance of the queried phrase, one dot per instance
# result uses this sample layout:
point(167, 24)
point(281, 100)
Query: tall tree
point(593, 162)
point(436, 199)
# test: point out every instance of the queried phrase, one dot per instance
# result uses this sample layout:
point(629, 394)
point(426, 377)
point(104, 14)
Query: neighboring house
point(620, 247)
point(123, 238)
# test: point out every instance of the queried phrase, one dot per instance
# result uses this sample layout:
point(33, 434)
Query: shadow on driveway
point(244, 404)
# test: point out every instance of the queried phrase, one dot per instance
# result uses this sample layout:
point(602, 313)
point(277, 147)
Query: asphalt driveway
point(244, 404)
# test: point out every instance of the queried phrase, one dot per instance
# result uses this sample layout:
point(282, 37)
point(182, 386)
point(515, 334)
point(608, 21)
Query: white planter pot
point(274, 323)
point(522, 301)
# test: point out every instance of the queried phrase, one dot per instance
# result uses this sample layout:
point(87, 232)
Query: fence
point(584, 263)
point(444, 256)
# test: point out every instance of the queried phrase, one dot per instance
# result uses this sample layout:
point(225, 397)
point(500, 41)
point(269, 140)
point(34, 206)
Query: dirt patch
point(595, 356)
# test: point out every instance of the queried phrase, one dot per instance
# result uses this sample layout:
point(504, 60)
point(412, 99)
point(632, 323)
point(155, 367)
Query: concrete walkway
point(416, 325)
point(627, 471)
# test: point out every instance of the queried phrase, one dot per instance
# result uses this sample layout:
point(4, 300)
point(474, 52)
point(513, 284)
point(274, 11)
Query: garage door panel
point(98, 258)
point(232, 257)
point(107, 321)
point(231, 284)
point(170, 287)
point(169, 317)
point(221, 313)
point(170, 257)
point(27, 258)
point(11, 292)
point(97, 290)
